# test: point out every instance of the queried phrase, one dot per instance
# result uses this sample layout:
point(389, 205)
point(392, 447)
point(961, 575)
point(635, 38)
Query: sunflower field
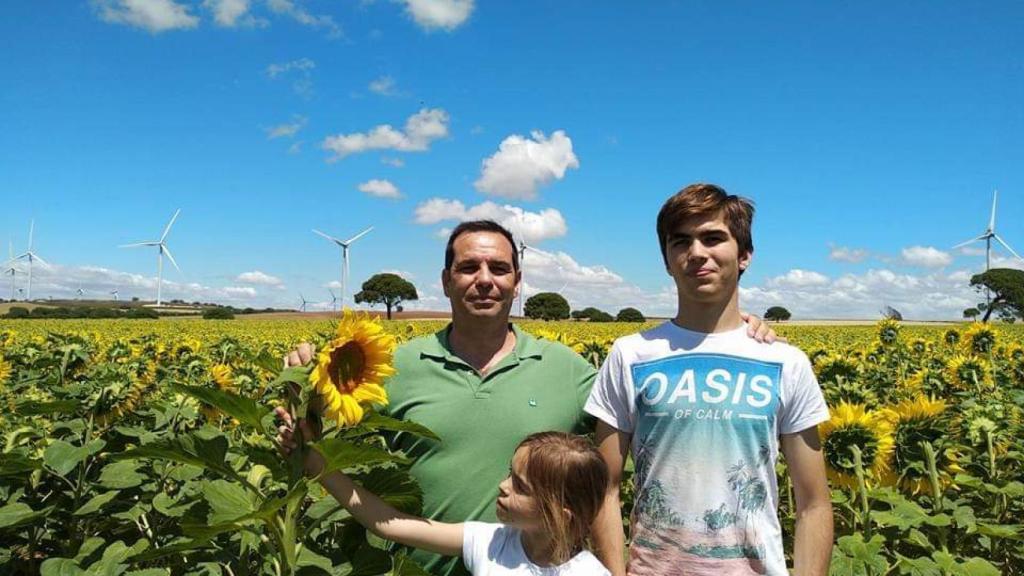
point(146, 447)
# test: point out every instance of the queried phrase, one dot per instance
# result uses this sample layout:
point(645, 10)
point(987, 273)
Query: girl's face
point(516, 504)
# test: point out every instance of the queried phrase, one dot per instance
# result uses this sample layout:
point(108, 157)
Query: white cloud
point(933, 296)
point(302, 16)
point(232, 13)
point(260, 278)
point(288, 129)
point(420, 130)
point(970, 251)
point(395, 162)
point(295, 148)
point(925, 257)
point(844, 254)
point(530, 226)
point(385, 86)
point(152, 15)
point(303, 65)
point(380, 189)
point(798, 278)
point(439, 14)
point(240, 291)
point(1006, 262)
point(522, 165)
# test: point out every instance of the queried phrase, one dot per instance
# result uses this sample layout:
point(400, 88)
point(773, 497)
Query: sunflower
point(966, 372)
point(888, 331)
point(223, 376)
point(913, 422)
point(832, 367)
point(928, 380)
point(980, 338)
point(951, 337)
point(994, 416)
point(349, 370)
point(5, 370)
point(122, 398)
point(919, 347)
point(852, 425)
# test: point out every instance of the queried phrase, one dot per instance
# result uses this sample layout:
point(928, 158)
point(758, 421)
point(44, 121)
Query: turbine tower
point(162, 249)
point(304, 302)
point(334, 300)
point(344, 257)
point(11, 270)
point(523, 247)
point(31, 257)
point(988, 235)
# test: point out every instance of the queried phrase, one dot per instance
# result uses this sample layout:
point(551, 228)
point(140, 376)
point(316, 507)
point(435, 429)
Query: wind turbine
point(80, 292)
point(304, 301)
point(114, 294)
point(160, 258)
point(523, 247)
point(12, 270)
point(344, 257)
point(334, 300)
point(987, 236)
point(31, 257)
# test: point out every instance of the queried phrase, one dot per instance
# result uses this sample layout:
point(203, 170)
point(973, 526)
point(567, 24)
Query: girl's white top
point(497, 550)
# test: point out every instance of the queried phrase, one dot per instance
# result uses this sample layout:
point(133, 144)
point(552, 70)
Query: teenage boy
point(705, 411)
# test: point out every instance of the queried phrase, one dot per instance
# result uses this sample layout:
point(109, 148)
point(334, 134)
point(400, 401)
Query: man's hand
point(301, 356)
point(759, 330)
point(287, 440)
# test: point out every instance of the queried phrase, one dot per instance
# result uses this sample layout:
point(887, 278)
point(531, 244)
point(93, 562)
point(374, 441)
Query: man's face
point(481, 282)
point(704, 259)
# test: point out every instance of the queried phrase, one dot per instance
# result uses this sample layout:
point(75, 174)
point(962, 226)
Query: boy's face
point(704, 259)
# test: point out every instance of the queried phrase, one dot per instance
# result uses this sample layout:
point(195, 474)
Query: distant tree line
point(212, 311)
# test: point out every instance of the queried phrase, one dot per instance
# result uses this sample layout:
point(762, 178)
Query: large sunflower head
point(951, 337)
point(995, 416)
point(852, 425)
point(919, 347)
point(351, 368)
point(980, 338)
point(913, 422)
point(968, 372)
point(835, 367)
point(888, 331)
point(928, 380)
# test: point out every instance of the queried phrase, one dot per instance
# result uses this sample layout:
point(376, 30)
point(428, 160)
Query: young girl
point(546, 505)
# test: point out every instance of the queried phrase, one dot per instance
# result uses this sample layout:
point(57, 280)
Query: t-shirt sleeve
point(476, 539)
point(803, 403)
point(609, 398)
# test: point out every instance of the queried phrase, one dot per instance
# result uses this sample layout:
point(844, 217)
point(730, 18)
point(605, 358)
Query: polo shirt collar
point(526, 346)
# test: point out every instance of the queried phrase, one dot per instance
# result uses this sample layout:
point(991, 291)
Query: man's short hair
point(479, 226)
point(707, 200)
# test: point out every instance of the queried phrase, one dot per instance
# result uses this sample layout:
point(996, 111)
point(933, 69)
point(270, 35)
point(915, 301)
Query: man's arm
point(609, 539)
point(812, 548)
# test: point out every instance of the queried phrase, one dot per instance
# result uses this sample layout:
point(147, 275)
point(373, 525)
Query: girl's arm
point(387, 522)
point(372, 512)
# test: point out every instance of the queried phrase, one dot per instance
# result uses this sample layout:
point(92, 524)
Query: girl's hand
point(287, 441)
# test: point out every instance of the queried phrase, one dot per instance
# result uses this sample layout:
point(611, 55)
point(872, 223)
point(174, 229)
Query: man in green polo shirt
point(481, 384)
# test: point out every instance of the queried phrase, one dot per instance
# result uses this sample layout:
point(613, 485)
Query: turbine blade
point(167, 251)
point(137, 244)
point(41, 261)
point(971, 241)
point(1007, 246)
point(31, 231)
point(358, 236)
point(992, 220)
point(331, 238)
point(169, 224)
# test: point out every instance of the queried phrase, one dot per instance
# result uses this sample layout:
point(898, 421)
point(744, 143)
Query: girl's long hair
point(565, 472)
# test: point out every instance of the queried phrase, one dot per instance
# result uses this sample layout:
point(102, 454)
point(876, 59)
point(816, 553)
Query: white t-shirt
point(705, 412)
point(497, 550)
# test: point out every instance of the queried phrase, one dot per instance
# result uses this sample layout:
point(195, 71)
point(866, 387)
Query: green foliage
point(218, 313)
point(1007, 289)
point(592, 314)
point(630, 315)
point(971, 313)
point(387, 289)
point(547, 306)
point(777, 313)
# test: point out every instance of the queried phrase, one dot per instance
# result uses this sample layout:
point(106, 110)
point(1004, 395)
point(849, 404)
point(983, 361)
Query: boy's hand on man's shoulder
point(759, 330)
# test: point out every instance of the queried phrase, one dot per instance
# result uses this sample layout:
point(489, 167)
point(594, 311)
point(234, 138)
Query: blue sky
point(871, 136)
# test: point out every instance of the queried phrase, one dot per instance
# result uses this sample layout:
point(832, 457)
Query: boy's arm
point(387, 522)
point(609, 539)
point(812, 546)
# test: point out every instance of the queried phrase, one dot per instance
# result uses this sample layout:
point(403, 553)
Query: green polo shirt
point(539, 386)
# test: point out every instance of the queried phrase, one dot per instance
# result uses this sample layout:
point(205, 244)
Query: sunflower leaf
point(376, 422)
point(341, 454)
point(245, 410)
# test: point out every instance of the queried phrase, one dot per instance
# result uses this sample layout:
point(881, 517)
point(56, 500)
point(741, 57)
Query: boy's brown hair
point(707, 200)
point(565, 472)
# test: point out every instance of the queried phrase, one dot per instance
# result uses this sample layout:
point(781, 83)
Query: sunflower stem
point(862, 487)
point(992, 471)
point(933, 477)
